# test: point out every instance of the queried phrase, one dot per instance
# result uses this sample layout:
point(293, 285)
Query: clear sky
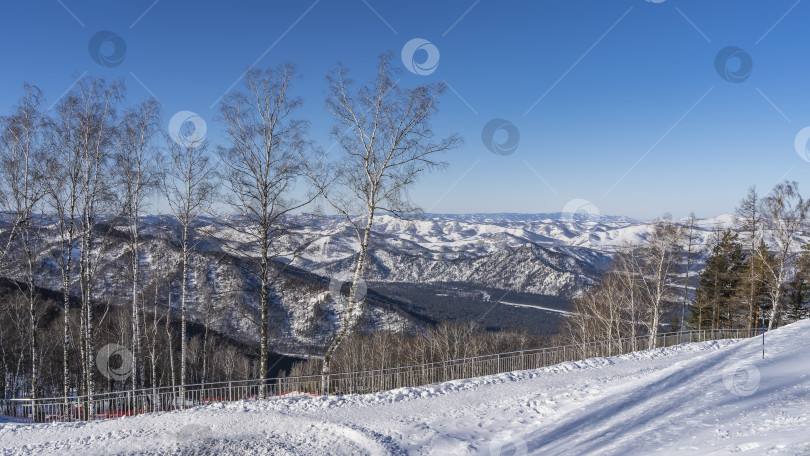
point(631, 105)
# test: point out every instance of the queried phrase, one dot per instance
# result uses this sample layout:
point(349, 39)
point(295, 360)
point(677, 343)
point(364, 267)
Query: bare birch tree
point(85, 128)
point(654, 266)
point(601, 313)
point(690, 238)
point(190, 191)
point(624, 268)
point(22, 185)
point(784, 213)
point(98, 103)
point(264, 158)
point(137, 175)
point(749, 222)
point(17, 142)
point(387, 141)
point(64, 190)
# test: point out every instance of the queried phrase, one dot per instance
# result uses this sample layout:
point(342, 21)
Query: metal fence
point(163, 399)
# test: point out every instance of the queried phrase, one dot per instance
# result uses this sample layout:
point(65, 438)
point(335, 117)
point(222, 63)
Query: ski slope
point(707, 398)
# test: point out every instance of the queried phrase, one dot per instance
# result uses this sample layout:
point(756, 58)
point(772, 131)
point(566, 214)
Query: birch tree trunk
point(263, 158)
point(64, 192)
point(137, 176)
point(785, 213)
point(183, 328)
point(22, 160)
point(169, 338)
point(749, 220)
point(387, 143)
point(189, 190)
point(353, 301)
point(689, 236)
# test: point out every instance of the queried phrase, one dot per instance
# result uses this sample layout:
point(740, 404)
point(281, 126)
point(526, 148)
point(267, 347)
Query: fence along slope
point(149, 400)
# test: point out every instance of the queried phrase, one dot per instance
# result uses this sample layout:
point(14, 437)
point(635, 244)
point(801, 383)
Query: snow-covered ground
point(708, 398)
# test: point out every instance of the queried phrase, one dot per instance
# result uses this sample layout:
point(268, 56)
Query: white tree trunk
point(347, 323)
point(137, 374)
point(183, 344)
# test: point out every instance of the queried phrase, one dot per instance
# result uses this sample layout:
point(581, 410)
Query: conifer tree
point(716, 302)
point(798, 289)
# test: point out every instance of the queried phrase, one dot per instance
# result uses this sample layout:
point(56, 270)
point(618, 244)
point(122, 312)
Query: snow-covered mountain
point(449, 237)
point(302, 310)
point(543, 255)
point(547, 254)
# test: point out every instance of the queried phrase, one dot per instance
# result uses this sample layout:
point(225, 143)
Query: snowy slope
point(526, 269)
point(708, 398)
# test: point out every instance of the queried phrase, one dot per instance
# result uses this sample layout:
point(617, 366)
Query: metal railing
point(163, 399)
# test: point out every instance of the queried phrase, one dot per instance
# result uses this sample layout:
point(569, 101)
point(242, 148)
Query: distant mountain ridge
point(519, 216)
point(546, 255)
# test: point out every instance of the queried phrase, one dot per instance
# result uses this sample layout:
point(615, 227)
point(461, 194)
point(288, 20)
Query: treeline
point(85, 167)
point(449, 340)
point(738, 289)
point(757, 272)
point(74, 181)
point(211, 356)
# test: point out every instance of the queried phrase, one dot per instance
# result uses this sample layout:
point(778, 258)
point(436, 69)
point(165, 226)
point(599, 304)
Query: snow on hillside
point(482, 248)
point(544, 254)
point(707, 398)
point(448, 236)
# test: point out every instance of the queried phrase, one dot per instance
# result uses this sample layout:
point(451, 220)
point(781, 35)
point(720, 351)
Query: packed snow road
point(707, 398)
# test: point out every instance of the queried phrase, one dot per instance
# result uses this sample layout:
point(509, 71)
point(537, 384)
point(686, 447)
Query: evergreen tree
point(717, 303)
point(798, 289)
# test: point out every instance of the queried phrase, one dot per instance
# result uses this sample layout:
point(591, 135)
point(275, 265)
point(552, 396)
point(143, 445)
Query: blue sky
point(616, 102)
